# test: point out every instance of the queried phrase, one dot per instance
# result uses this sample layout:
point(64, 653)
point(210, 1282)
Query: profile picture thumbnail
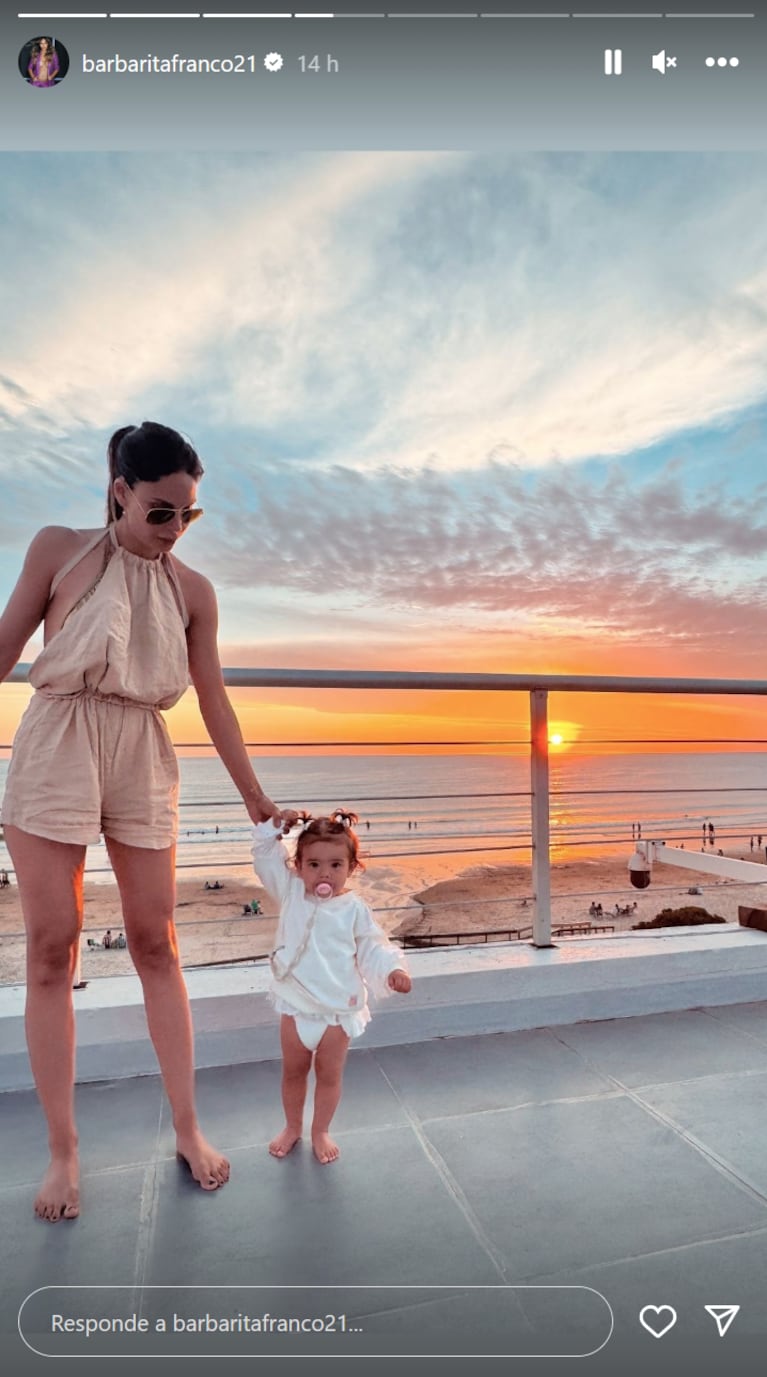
point(43, 62)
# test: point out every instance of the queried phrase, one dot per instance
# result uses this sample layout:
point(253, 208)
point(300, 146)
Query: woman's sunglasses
point(160, 516)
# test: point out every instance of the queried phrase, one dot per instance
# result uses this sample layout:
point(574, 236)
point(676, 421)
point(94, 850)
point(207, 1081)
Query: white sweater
point(347, 950)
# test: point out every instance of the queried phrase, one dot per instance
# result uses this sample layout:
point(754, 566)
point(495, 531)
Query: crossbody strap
point(282, 972)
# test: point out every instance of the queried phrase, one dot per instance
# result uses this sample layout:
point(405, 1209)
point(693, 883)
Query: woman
point(43, 63)
point(126, 626)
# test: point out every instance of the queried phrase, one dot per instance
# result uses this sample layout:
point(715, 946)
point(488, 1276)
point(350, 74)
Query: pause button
point(613, 61)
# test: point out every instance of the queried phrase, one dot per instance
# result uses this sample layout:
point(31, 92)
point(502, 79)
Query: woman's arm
point(29, 599)
point(217, 712)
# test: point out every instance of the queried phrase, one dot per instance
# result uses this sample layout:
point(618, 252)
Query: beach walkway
point(625, 1156)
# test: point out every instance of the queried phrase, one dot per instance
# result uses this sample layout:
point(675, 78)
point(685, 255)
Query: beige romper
point(92, 753)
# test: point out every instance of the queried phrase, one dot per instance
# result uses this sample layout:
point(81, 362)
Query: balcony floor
point(627, 1156)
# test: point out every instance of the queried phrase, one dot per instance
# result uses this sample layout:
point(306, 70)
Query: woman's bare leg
point(329, 1069)
point(50, 879)
point(148, 893)
point(296, 1063)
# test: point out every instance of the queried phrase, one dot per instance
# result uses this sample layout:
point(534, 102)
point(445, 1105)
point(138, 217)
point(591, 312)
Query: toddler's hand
point(400, 981)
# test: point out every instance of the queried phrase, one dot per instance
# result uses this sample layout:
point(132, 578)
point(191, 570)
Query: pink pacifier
point(324, 890)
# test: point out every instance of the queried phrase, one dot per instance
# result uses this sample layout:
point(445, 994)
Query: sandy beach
point(421, 895)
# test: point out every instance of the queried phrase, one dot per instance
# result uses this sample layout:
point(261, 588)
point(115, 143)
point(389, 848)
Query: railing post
point(539, 816)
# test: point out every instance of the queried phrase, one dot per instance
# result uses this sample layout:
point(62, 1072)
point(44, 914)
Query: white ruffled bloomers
point(353, 1025)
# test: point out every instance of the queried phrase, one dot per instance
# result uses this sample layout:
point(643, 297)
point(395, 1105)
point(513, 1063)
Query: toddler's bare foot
point(207, 1166)
point(325, 1150)
point(59, 1194)
point(284, 1142)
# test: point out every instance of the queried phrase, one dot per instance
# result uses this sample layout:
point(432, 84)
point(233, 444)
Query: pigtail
point(342, 821)
point(345, 817)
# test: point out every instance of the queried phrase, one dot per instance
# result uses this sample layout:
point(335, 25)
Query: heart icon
point(657, 1319)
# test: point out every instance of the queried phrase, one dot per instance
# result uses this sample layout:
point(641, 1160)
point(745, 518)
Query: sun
point(563, 734)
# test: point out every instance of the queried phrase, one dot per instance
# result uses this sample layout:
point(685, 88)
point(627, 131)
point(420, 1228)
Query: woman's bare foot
point(325, 1150)
point(284, 1142)
point(59, 1194)
point(207, 1166)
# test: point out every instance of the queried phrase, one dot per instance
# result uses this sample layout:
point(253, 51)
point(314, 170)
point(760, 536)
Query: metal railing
point(538, 687)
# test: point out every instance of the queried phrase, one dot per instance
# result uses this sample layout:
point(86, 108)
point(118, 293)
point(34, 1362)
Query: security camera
point(640, 871)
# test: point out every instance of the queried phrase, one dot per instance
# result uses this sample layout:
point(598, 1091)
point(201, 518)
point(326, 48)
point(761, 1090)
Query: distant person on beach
point(106, 940)
point(127, 625)
point(328, 951)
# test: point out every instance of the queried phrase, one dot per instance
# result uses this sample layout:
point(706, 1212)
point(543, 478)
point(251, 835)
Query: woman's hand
point(400, 981)
point(260, 809)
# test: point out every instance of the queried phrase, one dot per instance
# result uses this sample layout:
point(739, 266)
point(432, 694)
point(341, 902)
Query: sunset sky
point(457, 412)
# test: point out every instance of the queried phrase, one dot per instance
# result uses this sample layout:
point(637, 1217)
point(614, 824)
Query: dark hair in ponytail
point(144, 454)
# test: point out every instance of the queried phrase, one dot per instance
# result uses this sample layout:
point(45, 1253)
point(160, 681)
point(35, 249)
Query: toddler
point(328, 950)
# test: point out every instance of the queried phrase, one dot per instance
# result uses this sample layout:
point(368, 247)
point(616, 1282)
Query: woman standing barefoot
point(126, 626)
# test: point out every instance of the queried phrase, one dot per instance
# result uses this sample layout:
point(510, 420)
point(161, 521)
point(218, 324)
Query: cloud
point(231, 304)
point(397, 310)
point(610, 555)
point(438, 397)
point(608, 317)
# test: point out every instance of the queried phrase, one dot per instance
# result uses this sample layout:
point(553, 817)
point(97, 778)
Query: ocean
point(475, 807)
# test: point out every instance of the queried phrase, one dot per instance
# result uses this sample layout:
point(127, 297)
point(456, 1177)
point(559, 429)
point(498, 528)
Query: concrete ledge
point(753, 918)
point(457, 991)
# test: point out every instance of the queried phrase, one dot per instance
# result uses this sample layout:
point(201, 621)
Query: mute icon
point(661, 62)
